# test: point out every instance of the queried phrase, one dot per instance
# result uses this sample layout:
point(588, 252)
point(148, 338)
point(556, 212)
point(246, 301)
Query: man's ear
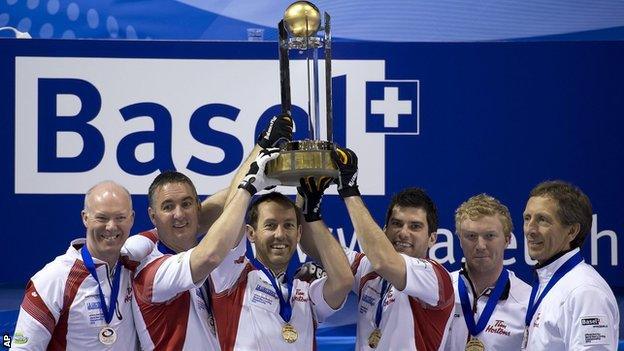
point(152, 215)
point(251, 234)
point(433, 237)
point(574, 230)
point(85, 217)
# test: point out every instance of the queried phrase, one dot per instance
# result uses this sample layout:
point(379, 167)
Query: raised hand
point(347, 162)
point(311, 190)
point(255, 179)
point(278, 132)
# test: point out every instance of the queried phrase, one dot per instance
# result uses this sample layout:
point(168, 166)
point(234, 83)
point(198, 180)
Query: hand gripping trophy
point(310, 157)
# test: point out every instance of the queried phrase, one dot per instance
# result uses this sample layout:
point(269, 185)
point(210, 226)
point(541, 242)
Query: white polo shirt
point(578, 313)
point(61, 307)
point(416, 318)
point(246, 307)
point(505, 328)
point(170, 312)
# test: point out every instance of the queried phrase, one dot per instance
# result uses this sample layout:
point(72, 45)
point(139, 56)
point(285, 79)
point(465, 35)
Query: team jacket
point(578, 313)
point(416, 318)
point(170, 311)
point(247, 307)
point(61, 306)
point(505, 329)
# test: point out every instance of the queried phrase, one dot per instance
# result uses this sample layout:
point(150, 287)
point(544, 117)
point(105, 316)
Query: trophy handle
point(284, 68)
point(328, 80)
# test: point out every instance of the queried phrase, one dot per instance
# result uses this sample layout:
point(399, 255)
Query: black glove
point(277, 133)
point(256, 179)
point(311, 191)
point(309, 272)
point(347, 163)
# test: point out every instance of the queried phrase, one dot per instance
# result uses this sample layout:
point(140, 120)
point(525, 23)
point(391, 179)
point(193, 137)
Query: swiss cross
point(391, 107)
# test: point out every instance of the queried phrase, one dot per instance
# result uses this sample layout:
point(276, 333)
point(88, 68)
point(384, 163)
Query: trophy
point(312, 156)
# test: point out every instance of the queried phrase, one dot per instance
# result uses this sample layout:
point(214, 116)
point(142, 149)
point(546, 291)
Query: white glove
point(256, 179)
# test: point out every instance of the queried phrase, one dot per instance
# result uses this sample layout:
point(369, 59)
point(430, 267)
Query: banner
point(457, 119)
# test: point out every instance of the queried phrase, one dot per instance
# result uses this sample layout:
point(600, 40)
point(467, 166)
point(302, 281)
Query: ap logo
point(392, 107)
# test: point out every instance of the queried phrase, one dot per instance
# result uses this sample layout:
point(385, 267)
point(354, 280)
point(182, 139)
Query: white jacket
point(578, 313)
point(61, 307)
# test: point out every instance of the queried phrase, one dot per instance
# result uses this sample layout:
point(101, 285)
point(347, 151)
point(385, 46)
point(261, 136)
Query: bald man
point(82, 299)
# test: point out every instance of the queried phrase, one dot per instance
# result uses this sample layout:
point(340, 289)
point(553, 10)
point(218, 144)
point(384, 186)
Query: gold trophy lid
point(302, 19)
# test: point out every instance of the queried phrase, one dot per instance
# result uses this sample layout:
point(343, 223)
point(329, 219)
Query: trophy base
point(303, 158)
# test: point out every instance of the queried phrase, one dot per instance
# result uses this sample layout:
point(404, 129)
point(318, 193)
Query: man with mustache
point(571, 307)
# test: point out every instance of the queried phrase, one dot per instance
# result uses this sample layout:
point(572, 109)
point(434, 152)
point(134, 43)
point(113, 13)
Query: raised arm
point(306, 243)
point(317, 235)
point(385, 260)
point(225, 231)
point(277, 132)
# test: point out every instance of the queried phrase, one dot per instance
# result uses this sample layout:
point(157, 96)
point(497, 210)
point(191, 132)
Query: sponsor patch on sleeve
point(19, 338)
point(594, 330)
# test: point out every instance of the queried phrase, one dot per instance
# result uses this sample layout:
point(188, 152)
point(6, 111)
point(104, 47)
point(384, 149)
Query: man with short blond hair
point(490, 301)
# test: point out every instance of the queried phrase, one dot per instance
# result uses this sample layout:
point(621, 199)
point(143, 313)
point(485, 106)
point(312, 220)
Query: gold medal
point(107, 335)
point(474, 344)
point(373, 338)
point(289, 333)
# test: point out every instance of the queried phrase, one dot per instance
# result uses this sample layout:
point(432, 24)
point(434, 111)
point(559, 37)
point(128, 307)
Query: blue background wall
point(495, 117)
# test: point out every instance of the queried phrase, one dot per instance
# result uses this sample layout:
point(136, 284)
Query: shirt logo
point(595, 330)
point(128, 296)
point(590, 321)
point(499, 327)
point(300, 296)
point(93, 305)
point(266, 290)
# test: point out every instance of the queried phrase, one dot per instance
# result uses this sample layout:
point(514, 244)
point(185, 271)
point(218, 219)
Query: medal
point(107, 336)
point(373, 338)
point(375, 335)
point(475, 329)
point(475, 344)
point(289, 333)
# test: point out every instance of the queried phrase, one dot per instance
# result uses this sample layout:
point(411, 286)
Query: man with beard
point(571, 306)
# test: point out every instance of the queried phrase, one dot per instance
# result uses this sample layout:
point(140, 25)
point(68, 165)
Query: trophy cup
point(312, 156)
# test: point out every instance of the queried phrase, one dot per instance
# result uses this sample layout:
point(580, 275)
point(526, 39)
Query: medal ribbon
point(473, 329)
point(563, 270)
point(384, 289)
point(88, 262)
point(207, 300)
point(285, 310)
